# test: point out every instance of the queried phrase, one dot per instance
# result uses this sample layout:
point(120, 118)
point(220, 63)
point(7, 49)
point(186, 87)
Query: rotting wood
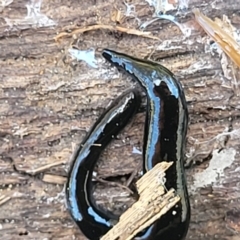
point(58, 101)
point(153, 203)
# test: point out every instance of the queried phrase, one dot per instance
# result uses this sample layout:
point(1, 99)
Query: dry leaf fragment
point(221, 37)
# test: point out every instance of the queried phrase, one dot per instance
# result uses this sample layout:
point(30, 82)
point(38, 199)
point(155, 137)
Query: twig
point(4, 199)
point(33, 172)
point(106, 27)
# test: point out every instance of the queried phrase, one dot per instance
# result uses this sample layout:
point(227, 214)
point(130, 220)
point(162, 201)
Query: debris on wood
point(106, 27)
point(42, 168)
point(227, 43)
point(117, 16)
point(153, 203)
point(54, 179)
point(4, 199)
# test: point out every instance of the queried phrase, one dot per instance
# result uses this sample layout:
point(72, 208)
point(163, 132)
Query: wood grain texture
point(49, 101)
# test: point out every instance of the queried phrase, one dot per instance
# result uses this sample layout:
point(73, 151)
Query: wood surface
point(48, 102)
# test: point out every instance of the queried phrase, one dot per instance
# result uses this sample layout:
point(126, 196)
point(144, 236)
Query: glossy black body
point(92, 221)
point(164, 139)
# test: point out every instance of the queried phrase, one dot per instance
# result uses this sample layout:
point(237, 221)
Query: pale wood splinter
point(153, 203)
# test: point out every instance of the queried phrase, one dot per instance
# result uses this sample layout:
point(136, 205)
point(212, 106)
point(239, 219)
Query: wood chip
point(55, 179)
point(117, 16)
point(152, 204)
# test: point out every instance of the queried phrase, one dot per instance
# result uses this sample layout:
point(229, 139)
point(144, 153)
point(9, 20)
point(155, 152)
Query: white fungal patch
point(84, 55)
point(215, 171)
point(34, 17)
point(161, 6)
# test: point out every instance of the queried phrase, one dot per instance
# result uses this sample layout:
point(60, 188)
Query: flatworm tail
point(92, 221)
